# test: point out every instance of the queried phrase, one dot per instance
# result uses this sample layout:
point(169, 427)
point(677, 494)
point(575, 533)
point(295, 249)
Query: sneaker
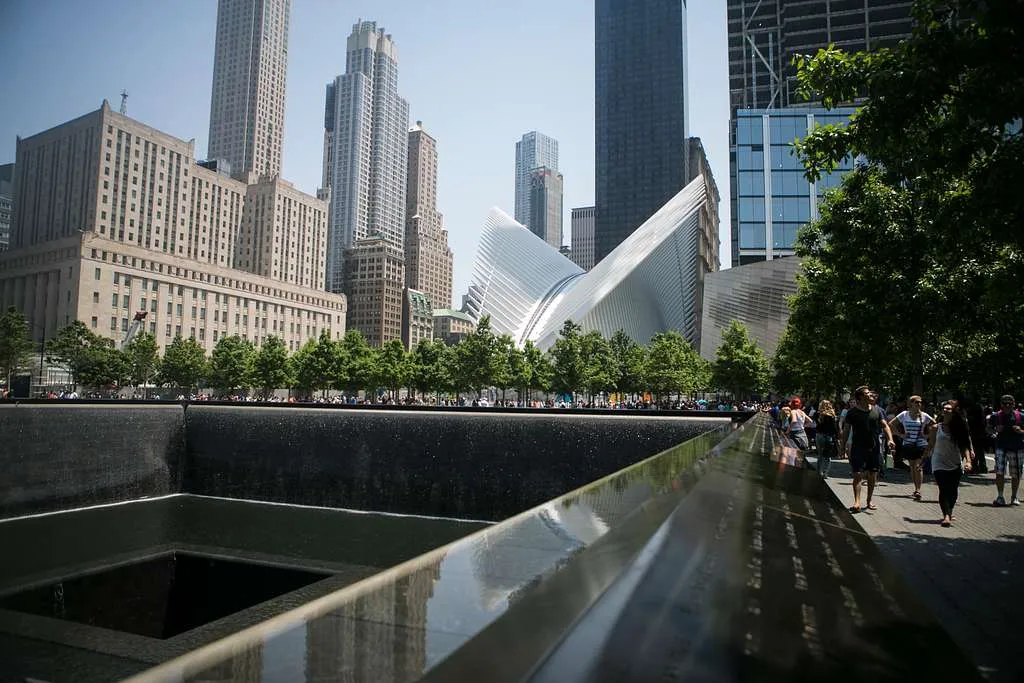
point(999, 502)
point(1015, 501)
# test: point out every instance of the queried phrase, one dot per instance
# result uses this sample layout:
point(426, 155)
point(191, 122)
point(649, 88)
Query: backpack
point(1016, 419)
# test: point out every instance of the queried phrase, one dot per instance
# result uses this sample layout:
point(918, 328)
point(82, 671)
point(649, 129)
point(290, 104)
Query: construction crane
point(133, 329)
point(124, 103)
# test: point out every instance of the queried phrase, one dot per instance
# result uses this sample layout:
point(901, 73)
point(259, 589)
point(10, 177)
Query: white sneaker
point(1015, 501)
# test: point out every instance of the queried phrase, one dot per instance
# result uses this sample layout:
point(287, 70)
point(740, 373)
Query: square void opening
point(162, 596)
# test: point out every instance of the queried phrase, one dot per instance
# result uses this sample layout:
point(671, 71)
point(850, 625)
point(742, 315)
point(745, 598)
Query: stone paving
point(971, 575)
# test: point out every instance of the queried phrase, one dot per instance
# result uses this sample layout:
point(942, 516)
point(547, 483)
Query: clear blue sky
point(478, 73)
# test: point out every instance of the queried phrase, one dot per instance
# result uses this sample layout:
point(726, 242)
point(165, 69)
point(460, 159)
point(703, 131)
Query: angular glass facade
point(771, 196)
point(640, 113)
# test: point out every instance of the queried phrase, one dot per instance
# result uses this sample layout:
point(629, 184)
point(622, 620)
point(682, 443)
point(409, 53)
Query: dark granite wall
point(482, 465)
point(61, 456)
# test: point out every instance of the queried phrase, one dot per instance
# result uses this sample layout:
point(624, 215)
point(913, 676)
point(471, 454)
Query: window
point(125, 303)
point(95, 297)
point(179, 310)
point(167, 331)
point(124, 324)
point(97, 274)
point(177, 330)
point(113, 324)
point(117, 278)
point(142, 304)
point(114, 300)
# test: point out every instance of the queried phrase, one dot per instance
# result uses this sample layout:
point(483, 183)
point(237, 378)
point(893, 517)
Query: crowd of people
point(903, 435)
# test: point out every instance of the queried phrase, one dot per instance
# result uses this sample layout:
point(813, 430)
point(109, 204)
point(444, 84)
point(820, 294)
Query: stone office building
point(103, 199)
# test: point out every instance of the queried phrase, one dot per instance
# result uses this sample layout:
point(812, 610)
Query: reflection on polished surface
point(398, 625)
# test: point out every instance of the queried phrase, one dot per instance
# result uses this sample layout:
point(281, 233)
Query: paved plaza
point(970, 575)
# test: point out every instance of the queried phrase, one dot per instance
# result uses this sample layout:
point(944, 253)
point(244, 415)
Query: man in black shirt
point(867, 423)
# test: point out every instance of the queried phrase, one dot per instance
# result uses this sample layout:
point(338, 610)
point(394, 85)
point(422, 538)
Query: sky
point(478, 73)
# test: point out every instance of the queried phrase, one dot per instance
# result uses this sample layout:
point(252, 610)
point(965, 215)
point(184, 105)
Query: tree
point(674, 367)
point(92, 360)
point(537, 368)
point(630, 363)
point(430, 369)
point(231, 364)
point(599, 371)
point(940, 152)
point(271, 368)
point(142, 358)
point(15, 342)
point(360, 362)
point(476, 358)
point(567, 360)
point(318, 364)
point(394, 367)
point(507, 361)
point(183, 364)
point(740, 365)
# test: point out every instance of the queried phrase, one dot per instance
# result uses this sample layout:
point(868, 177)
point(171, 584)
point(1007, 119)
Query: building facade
point(283, 234)
point(374, 285)
point(104, 283)
point(764, 36)
point(6, 203)
point(103, 200)
point(546, 206)
point(417, 318)
point(652, 282)
point(366, 146)
point(755, 294)
point(250, 68)
point(583, 223)
point(772, 197)
point(451, 326)
point(533, 151)
point(428, 258)
point(640, 113)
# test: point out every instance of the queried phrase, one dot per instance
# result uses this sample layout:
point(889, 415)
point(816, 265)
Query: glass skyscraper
point(767, 113)
point(640, 113)
point(772, 198)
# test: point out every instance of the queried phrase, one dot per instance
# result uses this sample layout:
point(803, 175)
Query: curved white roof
point(648, 284)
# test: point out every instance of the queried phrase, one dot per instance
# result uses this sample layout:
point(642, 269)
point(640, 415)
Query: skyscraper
point(250, 67)
point(535, 150)
point(770, 198)
point(366, 145)
point(583, 237)
point(428, 259)
point(640, 113)
point(545, 219)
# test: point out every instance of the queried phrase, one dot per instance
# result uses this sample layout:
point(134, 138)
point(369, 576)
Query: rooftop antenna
point(124, 103)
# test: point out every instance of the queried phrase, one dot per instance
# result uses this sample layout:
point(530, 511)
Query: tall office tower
point(640, 113)
point(6, 203)
point(250, 65)
point(546, 206)
point(366, 145)
point(428, 259)
point(582, 253)
point(535, 150)
point(767, 114)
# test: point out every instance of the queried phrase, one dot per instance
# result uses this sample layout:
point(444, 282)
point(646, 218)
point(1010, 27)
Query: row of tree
point(579, 362)
point(912, 274)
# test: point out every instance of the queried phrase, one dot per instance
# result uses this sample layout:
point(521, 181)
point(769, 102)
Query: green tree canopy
point(740, 366)
point(567, 360)
point(430, 366)
point(92, 359)
point(142, 357)
point(271, 367)
point(231, 364)
point(537, 368)
point(319, 364)
point(394, 367)
point(674, 367)
point(15, 342)
point(477, 358)
point(183, 365)
point(360, 362)
point(630, 363)
point(932, 213)
point(599, 369)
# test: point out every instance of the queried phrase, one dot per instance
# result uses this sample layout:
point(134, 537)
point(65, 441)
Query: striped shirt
point(914, 428)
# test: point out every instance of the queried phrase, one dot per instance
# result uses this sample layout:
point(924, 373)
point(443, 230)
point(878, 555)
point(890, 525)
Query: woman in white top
point(912, 426)
point(798, 423)
point(950, 448)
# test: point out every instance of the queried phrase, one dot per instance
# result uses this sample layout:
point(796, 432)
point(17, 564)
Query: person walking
point(865, 426)
point(949, 446)
point(1009, 431)
point(796, 427)
point(827, 436)
point(912, 426)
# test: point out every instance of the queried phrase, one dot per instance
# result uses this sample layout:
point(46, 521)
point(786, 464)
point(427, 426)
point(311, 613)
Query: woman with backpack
point(949, 446)
point(796, 429)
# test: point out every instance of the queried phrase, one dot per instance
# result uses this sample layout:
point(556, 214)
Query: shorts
point(1014, 458)
point(865, 459)
point(800, 440)
point(911, 451)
